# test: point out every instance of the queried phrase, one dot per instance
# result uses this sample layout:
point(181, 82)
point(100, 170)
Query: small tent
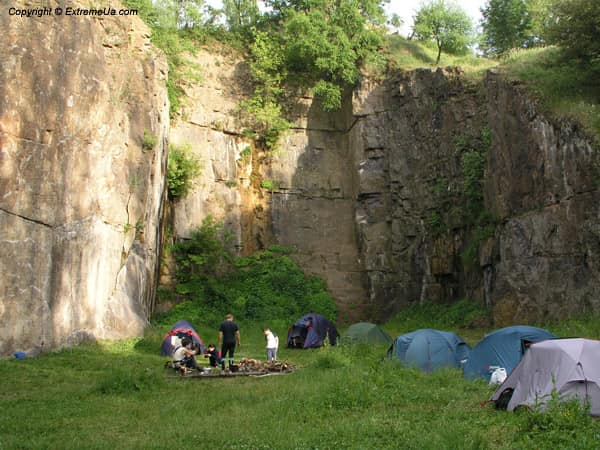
point(366, 332)
point(570, 367)
point(178, 331)
point(502, 348)
point(430, 349)
point(311, 331)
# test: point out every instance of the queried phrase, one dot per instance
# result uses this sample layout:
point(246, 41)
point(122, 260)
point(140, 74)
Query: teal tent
point(502, 348)
point(366, 332)
point(430, 349)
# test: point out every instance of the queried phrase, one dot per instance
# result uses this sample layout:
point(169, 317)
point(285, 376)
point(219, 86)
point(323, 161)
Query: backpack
point(504, 398)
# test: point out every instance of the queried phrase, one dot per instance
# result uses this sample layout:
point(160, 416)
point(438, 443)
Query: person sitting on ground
point(214, 357)
point(184, 356)
point(272, 344)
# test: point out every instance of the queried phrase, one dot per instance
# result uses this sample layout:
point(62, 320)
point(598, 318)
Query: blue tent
point(311, 331)
point(430, 349)
point(502, 348)
point(180, 330)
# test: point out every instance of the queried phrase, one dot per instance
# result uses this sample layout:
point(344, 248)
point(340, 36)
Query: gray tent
point(569, 366)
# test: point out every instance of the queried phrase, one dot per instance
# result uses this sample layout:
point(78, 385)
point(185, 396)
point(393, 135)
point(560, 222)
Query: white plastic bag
point(498, 376)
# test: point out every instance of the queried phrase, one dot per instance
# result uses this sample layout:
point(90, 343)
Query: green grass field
point(117, 394)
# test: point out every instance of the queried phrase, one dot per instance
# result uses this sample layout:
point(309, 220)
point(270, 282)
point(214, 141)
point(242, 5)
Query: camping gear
point(173, 338)
point(366, 332)
point(430, 349)
point(502, 348)
point(311, 331)
point(569, 367)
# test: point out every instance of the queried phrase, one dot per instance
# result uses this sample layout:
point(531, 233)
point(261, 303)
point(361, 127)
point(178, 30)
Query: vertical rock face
point(542, 182)
point(80, 194)
point(408, 168)
point(312, 207)
point(372, 197)
point(211, 128)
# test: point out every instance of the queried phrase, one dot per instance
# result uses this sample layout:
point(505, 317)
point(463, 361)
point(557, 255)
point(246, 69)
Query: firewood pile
point(254, 365)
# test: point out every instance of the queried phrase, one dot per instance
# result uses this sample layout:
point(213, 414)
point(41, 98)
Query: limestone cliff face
point(81, 199)
point(210, 126)
point(371, 197)
point(409, 175)
point(542, 182)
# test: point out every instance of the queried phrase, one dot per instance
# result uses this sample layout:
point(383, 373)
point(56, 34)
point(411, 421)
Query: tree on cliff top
point(575, 26)
point(324, 42)
point(315, 45)
point(445, 24)
point(506, 24)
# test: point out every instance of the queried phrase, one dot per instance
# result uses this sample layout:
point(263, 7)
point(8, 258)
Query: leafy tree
point(313, 45)
point(575, 26)
point(395, 22)
point(506, 24)
point(240, 14)
point(268, 68)
point(445, 24)
point(189, 13)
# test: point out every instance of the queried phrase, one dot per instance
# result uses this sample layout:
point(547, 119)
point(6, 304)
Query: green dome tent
point(366, 332)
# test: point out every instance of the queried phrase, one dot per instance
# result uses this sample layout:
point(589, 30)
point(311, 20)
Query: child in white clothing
point(272, 344)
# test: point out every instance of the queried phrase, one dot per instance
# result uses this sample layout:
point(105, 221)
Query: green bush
point(149, 141)
point(183, 168)
point(267, 286)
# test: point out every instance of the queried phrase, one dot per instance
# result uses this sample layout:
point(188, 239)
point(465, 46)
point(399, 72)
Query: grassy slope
point(560, 87)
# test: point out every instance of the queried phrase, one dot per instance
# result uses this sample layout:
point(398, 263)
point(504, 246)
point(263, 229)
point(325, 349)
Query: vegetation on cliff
point(321, 46)
point(267, 286)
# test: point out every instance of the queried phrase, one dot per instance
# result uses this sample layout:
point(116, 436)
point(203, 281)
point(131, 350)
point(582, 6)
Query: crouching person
point(214, 357)
point(184, 357)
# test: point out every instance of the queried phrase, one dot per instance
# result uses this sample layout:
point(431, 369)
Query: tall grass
point(560, 86)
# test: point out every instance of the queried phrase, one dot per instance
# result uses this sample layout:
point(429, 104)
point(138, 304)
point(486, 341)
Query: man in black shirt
point(229, 334)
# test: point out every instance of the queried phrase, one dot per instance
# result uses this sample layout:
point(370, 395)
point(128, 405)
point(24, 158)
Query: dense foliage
point(506, 24)
point(313, 46)
point(576, 28)
point(265, 286)
point(571, 24)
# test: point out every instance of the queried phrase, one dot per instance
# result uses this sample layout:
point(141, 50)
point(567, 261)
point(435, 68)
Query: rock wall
point(372, 197)
point(409, 171)
point(81, 195)
point(542, 183)
point(210, 126)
